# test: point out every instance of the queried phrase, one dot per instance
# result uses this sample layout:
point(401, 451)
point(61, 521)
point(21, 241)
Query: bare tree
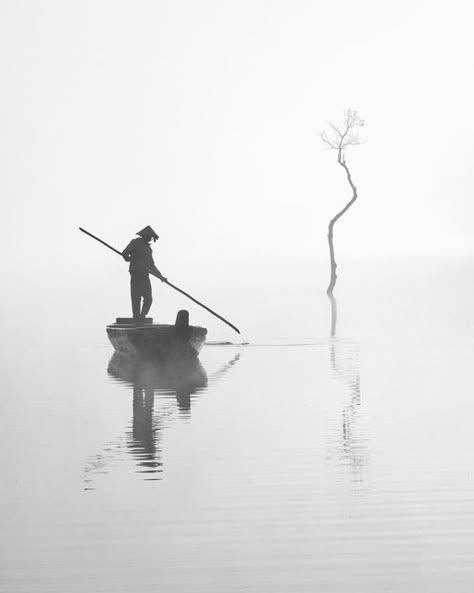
point(340, 137)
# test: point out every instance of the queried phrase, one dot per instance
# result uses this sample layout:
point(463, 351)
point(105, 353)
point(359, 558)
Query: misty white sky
point(202, 118)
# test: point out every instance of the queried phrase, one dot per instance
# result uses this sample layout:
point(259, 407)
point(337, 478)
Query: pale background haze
point(203, 120)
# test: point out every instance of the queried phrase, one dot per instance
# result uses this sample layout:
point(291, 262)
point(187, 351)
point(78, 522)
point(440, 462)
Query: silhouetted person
point(139, 253)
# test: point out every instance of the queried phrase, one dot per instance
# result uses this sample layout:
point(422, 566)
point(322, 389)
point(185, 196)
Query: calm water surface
point(299, 462)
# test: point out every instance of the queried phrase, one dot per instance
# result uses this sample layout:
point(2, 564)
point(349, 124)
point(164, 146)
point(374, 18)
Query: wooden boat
point(157, 340)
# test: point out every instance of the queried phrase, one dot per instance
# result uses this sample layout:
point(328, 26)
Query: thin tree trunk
point(332, 222)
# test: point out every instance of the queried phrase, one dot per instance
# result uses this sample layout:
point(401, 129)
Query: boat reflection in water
point(146, 375)
point(175, 381)
point(160, 390)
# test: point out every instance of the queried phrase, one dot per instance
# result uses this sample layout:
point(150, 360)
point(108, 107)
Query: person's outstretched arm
point(156, 271)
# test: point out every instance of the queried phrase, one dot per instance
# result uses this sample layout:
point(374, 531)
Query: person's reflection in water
point(158, 389)
point(145, 430)
point(344, 359)
point(149, 379)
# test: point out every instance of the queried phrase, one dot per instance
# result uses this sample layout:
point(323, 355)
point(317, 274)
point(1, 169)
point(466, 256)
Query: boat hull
point(159, 341)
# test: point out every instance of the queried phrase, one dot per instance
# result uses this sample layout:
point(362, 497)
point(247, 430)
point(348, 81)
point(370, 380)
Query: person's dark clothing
point(140, 255)
point(140, 288)
point(139, 252)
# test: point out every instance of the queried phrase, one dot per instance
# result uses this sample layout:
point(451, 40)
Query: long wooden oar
point(145, 269)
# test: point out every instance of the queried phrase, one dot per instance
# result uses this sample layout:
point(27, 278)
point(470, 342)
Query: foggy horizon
point(205, 124)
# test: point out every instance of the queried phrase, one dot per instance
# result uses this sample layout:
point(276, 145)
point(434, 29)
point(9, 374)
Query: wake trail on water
point(280, 343)
point(226, 343)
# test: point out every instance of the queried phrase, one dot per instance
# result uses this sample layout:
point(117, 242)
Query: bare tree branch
point(340, 137)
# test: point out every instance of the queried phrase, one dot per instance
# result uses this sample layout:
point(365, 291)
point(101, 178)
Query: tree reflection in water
point(350, 446)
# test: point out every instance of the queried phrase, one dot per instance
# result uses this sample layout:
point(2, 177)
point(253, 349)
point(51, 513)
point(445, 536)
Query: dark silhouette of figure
point(139, 253)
